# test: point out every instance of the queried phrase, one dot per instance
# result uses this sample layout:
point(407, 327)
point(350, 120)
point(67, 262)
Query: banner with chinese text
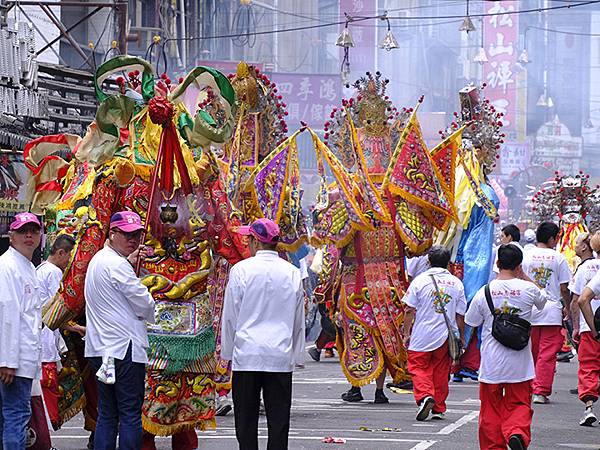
point(501, 39)
point(13, 188)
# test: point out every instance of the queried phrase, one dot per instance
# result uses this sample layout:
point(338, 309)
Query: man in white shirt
point(588, 351)
point(430, 296)
point(20, 326)
point(262, 334)
point(505, 374)
point(549, 270)
point(589, 343)
point(50, 275)
point(117, 308)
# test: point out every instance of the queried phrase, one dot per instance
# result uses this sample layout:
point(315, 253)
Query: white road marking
point(423, 445)
point(420, 444)
point(459, 423)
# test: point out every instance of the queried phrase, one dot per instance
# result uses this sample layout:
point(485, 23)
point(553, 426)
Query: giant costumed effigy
point(471, 237)
point(390, 194)
point(147, 153)
point(574, 204)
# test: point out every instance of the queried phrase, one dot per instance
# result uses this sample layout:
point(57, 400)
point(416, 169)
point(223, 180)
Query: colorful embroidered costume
point(388, 197)
point(147, 153)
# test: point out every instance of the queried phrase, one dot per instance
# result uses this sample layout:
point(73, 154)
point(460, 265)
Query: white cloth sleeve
point(137, 294)
point(231, 309)
point(299, 323)
point(10, 321)
point(474, 316)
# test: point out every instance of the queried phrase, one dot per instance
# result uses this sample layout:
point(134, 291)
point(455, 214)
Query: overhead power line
point(358, 19)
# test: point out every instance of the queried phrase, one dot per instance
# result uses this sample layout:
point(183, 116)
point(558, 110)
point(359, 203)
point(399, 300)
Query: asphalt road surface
point(318, 412)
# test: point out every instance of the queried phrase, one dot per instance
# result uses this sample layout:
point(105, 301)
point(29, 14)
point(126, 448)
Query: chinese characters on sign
point(13, 188)
point(515, 156)
point(309, 98)
point(556, 149)
point(501, 45)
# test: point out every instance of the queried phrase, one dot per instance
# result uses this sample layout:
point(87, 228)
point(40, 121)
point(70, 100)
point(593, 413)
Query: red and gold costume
point(147, 153)
point(389, 196)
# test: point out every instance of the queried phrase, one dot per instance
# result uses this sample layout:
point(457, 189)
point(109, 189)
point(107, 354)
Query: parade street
point(317, 412)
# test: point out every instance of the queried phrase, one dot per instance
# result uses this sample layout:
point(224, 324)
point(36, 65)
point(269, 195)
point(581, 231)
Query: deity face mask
point(245, 86)
point(372, 110)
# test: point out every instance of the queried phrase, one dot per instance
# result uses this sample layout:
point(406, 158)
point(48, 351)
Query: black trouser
point(277, 395)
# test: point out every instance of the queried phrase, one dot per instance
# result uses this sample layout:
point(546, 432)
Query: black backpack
point(509, 329)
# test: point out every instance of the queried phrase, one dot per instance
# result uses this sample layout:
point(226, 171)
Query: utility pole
point(122, 32)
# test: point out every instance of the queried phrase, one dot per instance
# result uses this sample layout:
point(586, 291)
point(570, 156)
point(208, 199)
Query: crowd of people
point(519, 316)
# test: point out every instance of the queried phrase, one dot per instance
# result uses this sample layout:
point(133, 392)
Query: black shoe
point(315, 354)
point(406, 385)
point(425, 408)
point(90, 444)
point(352, 395)
point(564, 356)
point(515, 442)
point(380, 397)
point(469, 373)
point(223, 410)
point(574, 391)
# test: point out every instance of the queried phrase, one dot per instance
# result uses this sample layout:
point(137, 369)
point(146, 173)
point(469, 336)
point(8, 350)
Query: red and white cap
point(23, 219)
point(126, 221)
point(265, 230)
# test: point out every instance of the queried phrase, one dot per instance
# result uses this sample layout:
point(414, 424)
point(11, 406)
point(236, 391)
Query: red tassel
point(172, 154)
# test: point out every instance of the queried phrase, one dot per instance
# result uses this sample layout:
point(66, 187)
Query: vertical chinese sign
point(364, 35)
point(13, 188)
point(309, 98)
point(501, 37)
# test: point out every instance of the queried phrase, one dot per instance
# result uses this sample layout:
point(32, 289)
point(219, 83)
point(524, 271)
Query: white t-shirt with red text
point(430, 331)
point(584, 274)
point(500, 364)
point(549, 269)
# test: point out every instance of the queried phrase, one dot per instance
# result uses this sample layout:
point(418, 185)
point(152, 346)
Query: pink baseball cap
point(265, 230)
point(23, 219)
point(126, 221)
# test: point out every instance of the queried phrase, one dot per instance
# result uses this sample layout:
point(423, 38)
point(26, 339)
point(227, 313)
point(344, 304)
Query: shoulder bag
point(454, 344)
point(510, 330)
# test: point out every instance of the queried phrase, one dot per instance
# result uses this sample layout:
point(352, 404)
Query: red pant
point(184, 440)
point(589, 367)
point(51, 392)
point(430, 372)
point(505, 410)
point(546, 341)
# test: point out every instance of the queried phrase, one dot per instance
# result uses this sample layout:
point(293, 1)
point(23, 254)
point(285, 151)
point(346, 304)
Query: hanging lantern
point(345, 38)
point(542, 101)
point(524, 57)
point(467, 25)
point(481, 56)
point(389, 41)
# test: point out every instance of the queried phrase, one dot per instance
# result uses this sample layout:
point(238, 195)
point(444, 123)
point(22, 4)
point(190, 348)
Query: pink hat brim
point(126, 226)
point(16, 225)
point(244, 230)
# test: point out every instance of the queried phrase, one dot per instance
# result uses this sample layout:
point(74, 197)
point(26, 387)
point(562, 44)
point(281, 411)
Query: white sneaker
point(540, 399)
point(425, 408)
point(438, 416)
point(589, 418)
